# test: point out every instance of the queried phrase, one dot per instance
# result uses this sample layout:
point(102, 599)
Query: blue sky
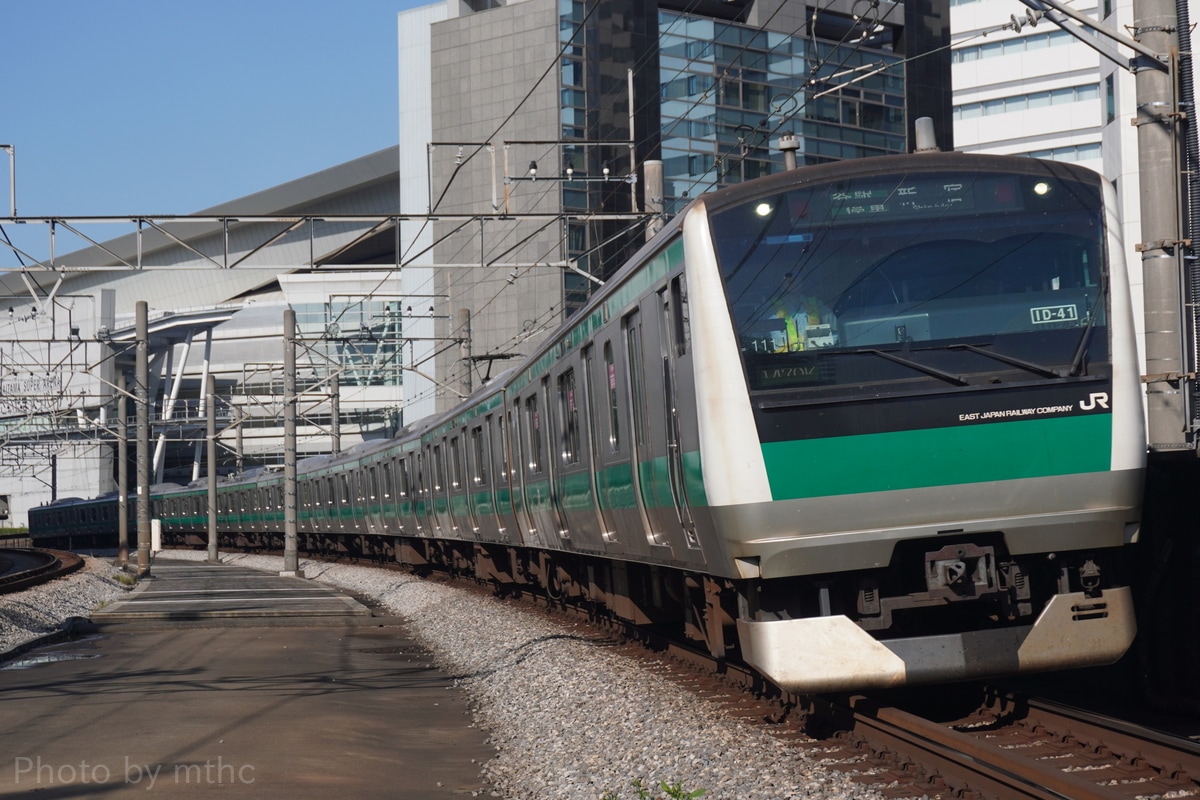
point(120, 107)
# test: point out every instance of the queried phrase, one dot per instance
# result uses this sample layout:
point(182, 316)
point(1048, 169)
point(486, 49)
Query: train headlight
point(1041, 188)
point(762, 209)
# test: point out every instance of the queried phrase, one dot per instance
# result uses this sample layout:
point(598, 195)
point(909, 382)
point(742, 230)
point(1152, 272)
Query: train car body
point(868, 423)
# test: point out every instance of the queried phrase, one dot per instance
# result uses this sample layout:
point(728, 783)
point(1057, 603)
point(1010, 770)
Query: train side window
point(533, 429)
point(614, 425)
point(478, 456)
point(568, 412)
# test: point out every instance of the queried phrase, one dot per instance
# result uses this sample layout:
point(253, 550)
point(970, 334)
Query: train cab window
point(614, 410)
point(568, 415)
point(456, 470)
point(478, 456)
point(533, 433)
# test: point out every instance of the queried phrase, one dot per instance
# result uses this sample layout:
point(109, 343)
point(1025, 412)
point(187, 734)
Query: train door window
point(614, 410)
point(568, 415)
point(516, 440)
point(589, 395)
point(330, 497)
point(681, 332)
point(456, 467)
point(373, 483)
point(479, 456)
point(633, 341)
point(403, 487)
point(502, 433)
point(439, 472)
point(345, 495)
point(533, 434)
point(386, 466)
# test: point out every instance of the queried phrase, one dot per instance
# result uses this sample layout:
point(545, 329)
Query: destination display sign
point(923, 196)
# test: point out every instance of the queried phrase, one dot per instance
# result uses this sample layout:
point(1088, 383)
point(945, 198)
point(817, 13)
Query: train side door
point(672, 340)
point(642, 456)
point(553, 428)
point(593, 407)
point(538, 503)
point(525, 464)
point(504, 491)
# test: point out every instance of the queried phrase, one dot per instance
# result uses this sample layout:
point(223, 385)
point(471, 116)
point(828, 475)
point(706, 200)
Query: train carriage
point(867, 423)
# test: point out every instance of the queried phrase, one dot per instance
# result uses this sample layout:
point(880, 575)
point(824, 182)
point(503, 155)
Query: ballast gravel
point(570, 719)
point(43, 610)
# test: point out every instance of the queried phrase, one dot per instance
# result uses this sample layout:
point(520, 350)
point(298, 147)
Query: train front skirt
point(822, 654)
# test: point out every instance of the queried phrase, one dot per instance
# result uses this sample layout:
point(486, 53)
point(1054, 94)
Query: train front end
point(921, 430)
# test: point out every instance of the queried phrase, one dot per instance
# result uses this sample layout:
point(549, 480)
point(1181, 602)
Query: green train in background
point(863, 424)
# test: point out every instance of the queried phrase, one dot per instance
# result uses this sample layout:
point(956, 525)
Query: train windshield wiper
point(917, 365)
point(1028, 366)
point(1081, 351)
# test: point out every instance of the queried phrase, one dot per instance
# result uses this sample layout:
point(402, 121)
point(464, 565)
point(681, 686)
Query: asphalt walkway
point(218, 680)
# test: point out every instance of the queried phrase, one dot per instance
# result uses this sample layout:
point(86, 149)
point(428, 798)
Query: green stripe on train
point(938, 456)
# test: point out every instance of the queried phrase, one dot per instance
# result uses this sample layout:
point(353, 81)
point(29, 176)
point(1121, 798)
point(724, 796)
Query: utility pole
point(1165, 254)
point(141, 383)
point(291, 560)
point(210, 392)
point(122, 477)
point(335, 414)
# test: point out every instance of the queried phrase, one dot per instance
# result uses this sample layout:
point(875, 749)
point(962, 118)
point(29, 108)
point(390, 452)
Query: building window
point(1110, 98)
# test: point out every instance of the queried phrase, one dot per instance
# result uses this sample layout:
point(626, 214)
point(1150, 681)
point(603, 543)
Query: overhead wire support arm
point(1057, 13)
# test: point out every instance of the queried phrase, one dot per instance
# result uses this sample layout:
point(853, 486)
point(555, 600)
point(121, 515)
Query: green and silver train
point(862, 424)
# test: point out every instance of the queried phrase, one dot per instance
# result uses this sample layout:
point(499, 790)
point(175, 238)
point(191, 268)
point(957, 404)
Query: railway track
point(22, 568)
point(1006, 746)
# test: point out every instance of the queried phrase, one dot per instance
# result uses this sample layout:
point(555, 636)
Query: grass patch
point(670, 791)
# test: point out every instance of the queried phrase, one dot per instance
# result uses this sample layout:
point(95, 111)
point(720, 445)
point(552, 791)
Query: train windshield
point(917, 277)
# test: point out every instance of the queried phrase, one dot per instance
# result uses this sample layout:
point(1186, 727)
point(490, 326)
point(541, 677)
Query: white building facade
point(1036, 90)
